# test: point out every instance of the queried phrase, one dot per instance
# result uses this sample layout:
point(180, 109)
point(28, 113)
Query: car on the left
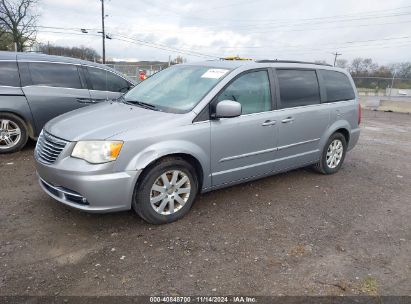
point(35, 88)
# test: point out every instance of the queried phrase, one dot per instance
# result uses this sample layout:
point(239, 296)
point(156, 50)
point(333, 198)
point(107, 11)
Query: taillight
point(359, 113)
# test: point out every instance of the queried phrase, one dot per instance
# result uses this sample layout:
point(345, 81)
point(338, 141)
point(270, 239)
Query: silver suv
point(198, 127)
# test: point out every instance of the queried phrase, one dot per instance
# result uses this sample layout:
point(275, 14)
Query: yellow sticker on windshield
point(214, 73)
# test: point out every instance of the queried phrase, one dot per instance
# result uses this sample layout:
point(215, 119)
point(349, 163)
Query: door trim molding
point(267, 150)
point(247, 154)
point(297, 144)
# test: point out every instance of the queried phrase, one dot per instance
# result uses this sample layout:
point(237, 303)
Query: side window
point(98, 78)
point(252, 90)
point(116, 83)
point(9, 74)
point(298, 88)
point(55, 75)
point(337, 86)
point(102, 80)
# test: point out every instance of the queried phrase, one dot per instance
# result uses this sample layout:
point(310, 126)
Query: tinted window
point(9, 74)
point(252, 90)
point(298, 88)
point(55, 75)
point(116, 83)
point(337, 86)
point(102, 80)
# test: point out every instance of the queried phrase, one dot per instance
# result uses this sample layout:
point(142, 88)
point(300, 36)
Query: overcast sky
point(293, 29)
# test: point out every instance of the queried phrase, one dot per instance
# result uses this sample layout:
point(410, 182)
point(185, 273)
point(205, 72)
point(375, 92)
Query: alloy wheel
point(334, 153)
point(170, 192)
point(10, 134)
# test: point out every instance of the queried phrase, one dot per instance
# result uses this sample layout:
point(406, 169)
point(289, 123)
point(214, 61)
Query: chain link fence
point(373, 90)
point(133, 71)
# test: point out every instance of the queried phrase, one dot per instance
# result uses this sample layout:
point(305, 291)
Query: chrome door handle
point(288, 119)
point(268, 123)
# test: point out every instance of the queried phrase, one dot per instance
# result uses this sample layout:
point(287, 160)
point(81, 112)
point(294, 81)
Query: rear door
point(303, 119)
point(105, 85)
point(52, 89)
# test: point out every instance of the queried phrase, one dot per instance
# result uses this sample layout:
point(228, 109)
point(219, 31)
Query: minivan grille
point(48, 147)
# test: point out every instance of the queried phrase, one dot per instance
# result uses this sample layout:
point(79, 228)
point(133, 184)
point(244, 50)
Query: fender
point(339, 124)
point(162, 149)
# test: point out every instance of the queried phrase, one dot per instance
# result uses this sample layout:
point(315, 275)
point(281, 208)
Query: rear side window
point(337, 86)
point(55, 75)
point(298, 88)
point(9, 74)
point(102, 80)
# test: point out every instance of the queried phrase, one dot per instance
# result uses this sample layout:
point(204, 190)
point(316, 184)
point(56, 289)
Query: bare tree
point(81, 52)
point(17, 19)
point(342, 63)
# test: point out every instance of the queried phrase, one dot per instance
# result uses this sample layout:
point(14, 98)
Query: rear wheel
point(166, 191)
point(333, 154)
point(13, 133)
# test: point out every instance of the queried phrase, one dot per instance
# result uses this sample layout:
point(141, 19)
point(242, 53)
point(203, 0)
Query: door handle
point(268, 123)
point(89, 100)
point(287, 120)
point(83, 100)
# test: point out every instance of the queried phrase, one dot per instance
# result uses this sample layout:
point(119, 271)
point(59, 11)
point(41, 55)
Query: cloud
point(301, 30)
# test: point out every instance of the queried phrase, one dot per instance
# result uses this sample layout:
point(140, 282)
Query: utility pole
point(392, 83)
point(103, 31)
point(336, 54)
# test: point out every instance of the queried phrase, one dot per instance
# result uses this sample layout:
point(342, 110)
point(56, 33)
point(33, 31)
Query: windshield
point(176, 89)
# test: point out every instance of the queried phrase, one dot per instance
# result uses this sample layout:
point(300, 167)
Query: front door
point(244, 146)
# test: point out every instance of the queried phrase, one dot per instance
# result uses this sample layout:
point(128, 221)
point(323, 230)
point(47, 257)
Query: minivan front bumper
point(88, 191)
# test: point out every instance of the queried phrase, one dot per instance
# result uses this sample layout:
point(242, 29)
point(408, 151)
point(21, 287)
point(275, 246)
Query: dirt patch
point(298, 233)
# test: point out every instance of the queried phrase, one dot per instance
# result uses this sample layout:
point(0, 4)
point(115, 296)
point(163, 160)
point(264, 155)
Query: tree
point(6, 41)
point(178, 59)
point(19, 21)
point(342, 63)
point(81, 52)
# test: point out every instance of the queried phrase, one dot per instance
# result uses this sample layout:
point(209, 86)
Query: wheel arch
point(27, 122)
point(188, 151)
point(340, 126)
point(185, 156)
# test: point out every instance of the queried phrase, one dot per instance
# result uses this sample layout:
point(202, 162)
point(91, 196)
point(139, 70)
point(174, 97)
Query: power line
point(137, 41)
point(224, 20)
point(164, 47)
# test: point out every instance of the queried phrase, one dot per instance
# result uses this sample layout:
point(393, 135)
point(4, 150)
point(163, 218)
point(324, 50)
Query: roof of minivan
point(44, 57)
point(233, 64)
point(52, 58)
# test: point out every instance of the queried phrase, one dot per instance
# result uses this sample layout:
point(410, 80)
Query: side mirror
point(227, 109)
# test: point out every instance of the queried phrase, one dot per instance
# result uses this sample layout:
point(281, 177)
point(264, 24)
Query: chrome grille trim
point(49, 148)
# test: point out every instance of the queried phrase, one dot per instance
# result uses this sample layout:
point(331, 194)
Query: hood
point(104, 120)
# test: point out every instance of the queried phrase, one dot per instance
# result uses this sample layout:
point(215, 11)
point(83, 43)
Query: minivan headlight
point(97, 152)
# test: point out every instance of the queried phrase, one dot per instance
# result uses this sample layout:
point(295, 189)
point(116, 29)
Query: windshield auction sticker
point(214, 73)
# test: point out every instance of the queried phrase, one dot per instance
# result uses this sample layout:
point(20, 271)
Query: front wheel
point(166, 191)
point(333, 154)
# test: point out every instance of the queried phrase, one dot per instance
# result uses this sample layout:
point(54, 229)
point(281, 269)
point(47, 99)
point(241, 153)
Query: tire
point(161, 211)
point(328, 167)
point(13, 133)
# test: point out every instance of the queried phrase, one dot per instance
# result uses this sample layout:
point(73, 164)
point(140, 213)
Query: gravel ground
point(292, 234)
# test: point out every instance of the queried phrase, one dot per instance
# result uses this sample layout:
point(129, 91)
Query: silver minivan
point(198, 127)
point(35, 88)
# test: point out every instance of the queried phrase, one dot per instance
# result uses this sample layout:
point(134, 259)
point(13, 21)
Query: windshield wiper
point(142, 104)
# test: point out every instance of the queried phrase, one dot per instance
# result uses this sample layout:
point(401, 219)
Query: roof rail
point(290, 61)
